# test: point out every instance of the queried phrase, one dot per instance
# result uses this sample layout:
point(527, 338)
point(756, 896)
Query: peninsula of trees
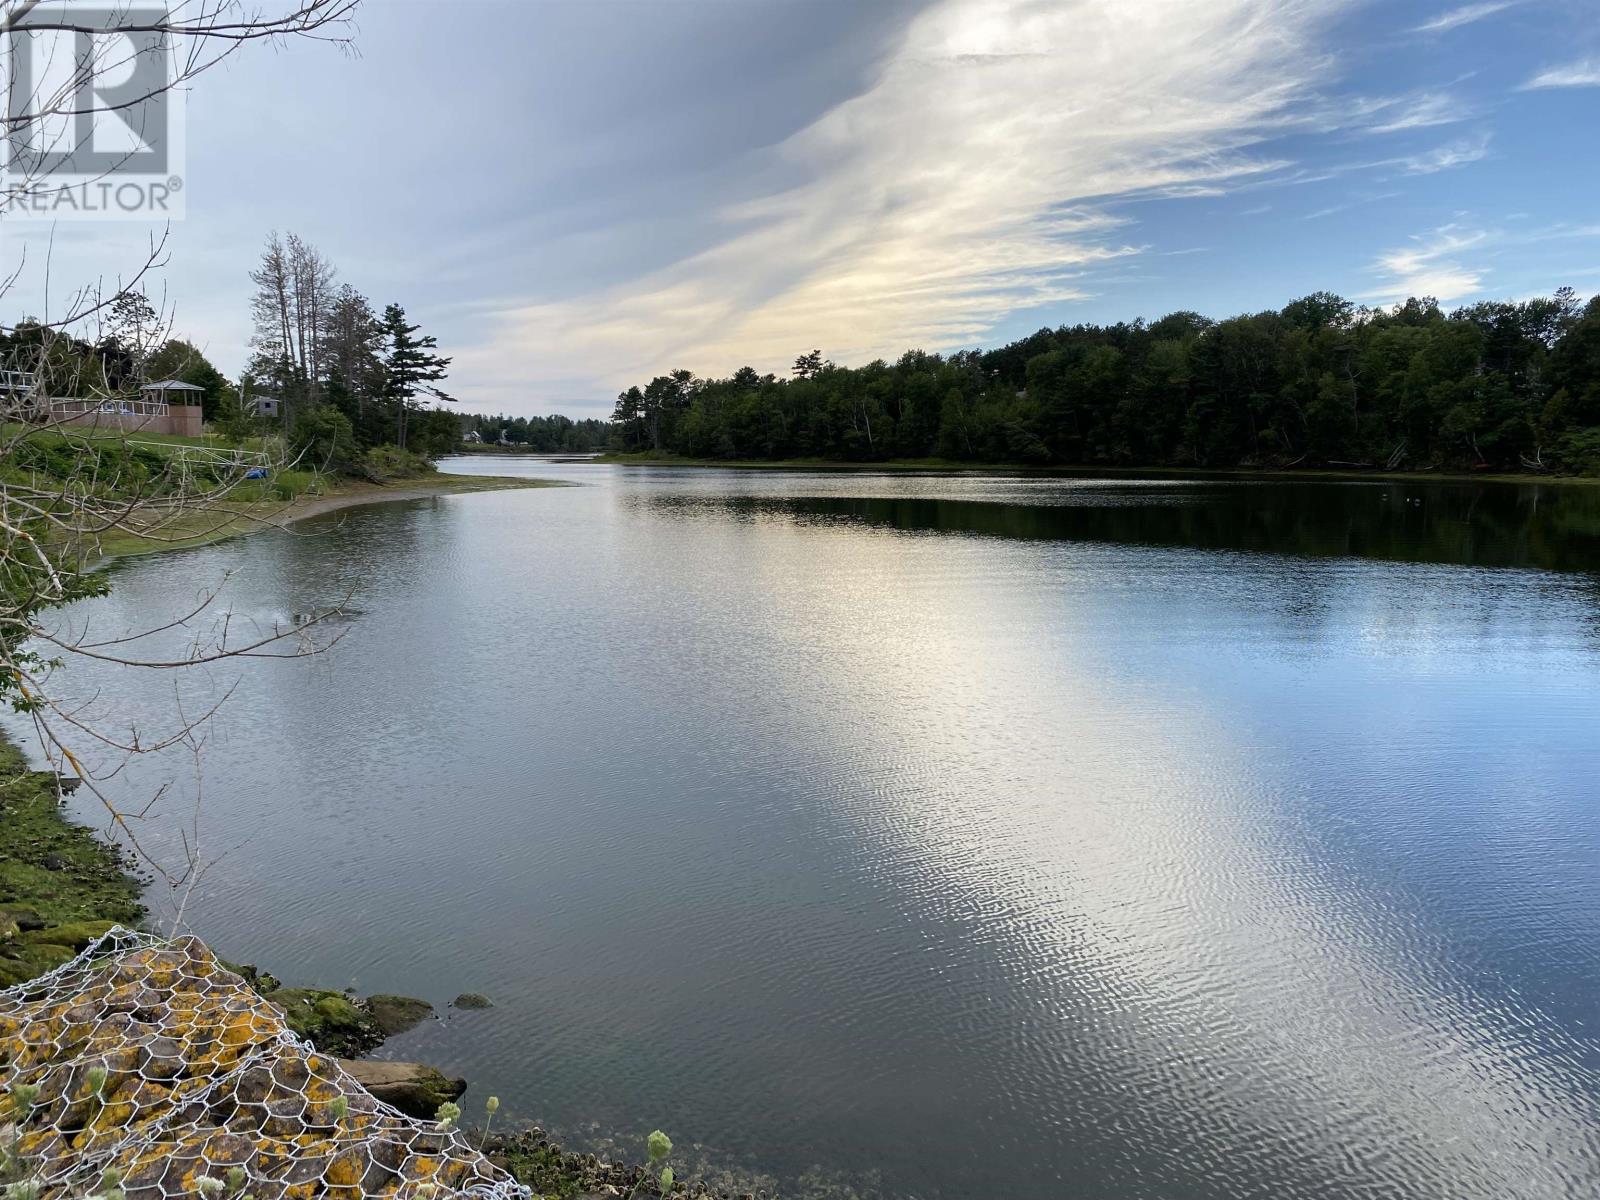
point(1319, 383)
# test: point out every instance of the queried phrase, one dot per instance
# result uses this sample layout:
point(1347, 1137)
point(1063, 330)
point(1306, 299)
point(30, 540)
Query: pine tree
point(411, 367)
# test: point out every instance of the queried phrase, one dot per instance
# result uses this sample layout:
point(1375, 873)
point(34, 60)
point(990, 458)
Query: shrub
point(324, 438)
point(1579, 451)
point(381, 464)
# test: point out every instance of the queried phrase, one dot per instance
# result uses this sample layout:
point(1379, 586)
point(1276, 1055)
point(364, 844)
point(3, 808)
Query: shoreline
point(356, 495)
point(63, 885)
point(945, 466)
point(230, 521)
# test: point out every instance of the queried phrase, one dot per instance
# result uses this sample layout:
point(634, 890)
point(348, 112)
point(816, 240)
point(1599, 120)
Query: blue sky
point(575, 196)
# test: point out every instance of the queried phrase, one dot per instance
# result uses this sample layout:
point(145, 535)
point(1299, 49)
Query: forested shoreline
point(1320, 383)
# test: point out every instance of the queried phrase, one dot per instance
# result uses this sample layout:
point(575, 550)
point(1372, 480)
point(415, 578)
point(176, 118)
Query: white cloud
point(1447, 157)
point(1419, 112)
point(961, 186)
point(1456, 17)
point(1431, 266)
point(1583, 73)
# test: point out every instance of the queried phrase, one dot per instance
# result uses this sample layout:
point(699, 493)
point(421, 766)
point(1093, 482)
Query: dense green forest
point(1318, 383)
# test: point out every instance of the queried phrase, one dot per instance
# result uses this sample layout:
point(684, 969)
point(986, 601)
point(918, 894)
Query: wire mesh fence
point(145, 1069)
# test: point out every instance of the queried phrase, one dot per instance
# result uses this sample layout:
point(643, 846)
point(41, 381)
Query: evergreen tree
point(411, 368)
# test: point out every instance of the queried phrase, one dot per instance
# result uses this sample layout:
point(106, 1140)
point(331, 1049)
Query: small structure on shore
point(169, 407)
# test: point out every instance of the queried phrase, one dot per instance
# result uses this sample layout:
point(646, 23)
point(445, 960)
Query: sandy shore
point(349, 495)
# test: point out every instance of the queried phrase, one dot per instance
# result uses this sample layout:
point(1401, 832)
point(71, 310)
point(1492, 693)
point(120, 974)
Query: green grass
point(213, 441)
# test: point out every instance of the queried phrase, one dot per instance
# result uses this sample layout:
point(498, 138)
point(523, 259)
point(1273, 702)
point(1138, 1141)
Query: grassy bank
point(246, 514)
point(153, 475)
point(648, 459)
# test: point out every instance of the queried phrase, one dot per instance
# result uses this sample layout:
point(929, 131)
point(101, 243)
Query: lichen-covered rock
point(472, 1000)
point(411, 1087)
point(153, 1060)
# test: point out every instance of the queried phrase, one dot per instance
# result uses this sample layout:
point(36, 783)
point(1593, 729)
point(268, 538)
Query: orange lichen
point(196, 1076)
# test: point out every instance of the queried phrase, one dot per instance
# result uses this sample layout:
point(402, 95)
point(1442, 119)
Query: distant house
point(267, 406)
point(473, 438)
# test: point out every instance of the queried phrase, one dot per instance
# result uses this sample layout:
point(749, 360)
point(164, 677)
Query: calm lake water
point(942, 835)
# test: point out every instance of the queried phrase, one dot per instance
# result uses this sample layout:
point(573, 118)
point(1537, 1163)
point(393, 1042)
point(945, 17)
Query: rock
point(472, 1000)
point(414, 1089)
point(396, 1014)
point(163, 1059)
point(327, 1020)
point(25, 919)
point(264, 982)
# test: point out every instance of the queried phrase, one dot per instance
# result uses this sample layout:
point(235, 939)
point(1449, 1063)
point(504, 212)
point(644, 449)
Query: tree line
point(539, 435)
point(1321, 382)
point(349, 388)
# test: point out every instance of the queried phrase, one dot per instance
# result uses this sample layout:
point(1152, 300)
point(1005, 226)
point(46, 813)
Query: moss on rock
point(339, 1024)
point(396, 1014)
point(330, 1021)
point(60, 885)
point(75, 935)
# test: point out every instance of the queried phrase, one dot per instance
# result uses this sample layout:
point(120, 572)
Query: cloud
point(1447, 157)
point(1456, 17)
point(1419, 112)
point(1583, 73)
point(968, 181)
point(1431, 266)
point(1357, 201)
point(1356, 114)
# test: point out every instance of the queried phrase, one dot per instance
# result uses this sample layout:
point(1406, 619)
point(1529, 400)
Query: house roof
point(171, 385)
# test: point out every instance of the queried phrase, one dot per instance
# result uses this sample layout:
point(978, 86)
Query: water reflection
point(1554, 527)
point(1129, 848)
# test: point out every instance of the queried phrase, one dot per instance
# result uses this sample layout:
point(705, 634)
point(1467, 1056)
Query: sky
point(575, 196)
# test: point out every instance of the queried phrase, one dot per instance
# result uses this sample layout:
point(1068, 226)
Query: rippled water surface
point(961, 836)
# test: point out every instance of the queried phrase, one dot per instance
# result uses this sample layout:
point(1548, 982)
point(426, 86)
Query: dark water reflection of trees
point(1546, 527)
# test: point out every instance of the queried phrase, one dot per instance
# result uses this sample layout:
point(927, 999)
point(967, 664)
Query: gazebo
point(181, 401)
point(172, 391)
